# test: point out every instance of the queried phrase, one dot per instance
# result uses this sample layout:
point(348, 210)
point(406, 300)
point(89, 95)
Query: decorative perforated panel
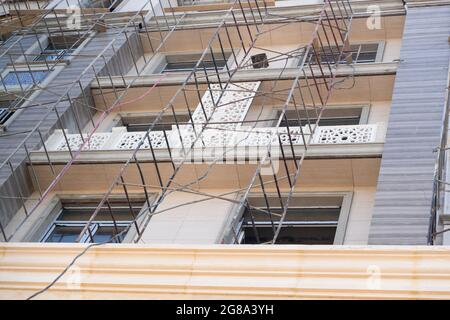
point(345, 134)
point(130, 140)
point(262, 136)
point(225, 109)
point(96, 142)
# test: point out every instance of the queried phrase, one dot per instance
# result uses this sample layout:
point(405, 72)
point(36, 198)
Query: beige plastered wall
point(183, 219)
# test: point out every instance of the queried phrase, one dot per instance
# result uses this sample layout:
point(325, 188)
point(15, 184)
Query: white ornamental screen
point(225, 109)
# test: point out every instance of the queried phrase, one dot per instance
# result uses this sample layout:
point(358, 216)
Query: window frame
point(185, 56)
point(118, 120)
point(10, 100)
point(378, 58)
point(61, 57)
point(94, 226)
point(50, 214)
point(5, 113)
point(363, 119)
point(380, 50)
point(58, 53)
point(236, 218)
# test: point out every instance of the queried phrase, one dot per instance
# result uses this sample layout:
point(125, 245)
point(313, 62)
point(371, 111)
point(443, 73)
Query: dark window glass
point(7, 109)
point(53, 54)
point(59, 48)
point(330, 117)
point(189, 65)
point(361, 53)
point(99, 3)
point(292, 235)
point(104, 233)
point(110, 221)
point(113, 4)
point(302, 225)
point(5, 114)
point(143, 123)
point(64, 234)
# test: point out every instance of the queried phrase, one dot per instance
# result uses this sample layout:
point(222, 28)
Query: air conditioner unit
point(260, 61)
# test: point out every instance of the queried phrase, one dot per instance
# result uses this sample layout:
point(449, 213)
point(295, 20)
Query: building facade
point(224, 149)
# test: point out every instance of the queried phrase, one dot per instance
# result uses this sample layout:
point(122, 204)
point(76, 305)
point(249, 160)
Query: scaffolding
point(150, 28)
point(440, 179)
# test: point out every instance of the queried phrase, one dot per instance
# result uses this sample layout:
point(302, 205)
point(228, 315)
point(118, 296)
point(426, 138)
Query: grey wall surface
point(403, 198)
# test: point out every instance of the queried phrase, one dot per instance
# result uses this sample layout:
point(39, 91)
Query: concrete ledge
point(227, 272)
point(176, 78)
point(359, 150)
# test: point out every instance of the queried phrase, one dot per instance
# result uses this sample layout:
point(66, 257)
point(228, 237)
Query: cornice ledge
point(226, 271)
point(36, 247)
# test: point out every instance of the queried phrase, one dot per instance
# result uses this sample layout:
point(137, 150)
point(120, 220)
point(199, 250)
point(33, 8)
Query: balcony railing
point(120, 139)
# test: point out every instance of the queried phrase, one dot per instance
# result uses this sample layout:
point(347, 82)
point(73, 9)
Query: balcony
point(225, 129)
point(120, 139)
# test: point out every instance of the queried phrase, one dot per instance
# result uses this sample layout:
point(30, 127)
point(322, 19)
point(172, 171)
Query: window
point(114, 4)
point(111, 4)
point(4, 37)
point(339, 116)
point(309, 220)
point(110, 221)
point(197, 2)
point(361, 53)
point(24, 78)
point(59, 47)
point(185, 63)
point(7, 109)
point(53, 54)
point(5, 114)
point(143, 123)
